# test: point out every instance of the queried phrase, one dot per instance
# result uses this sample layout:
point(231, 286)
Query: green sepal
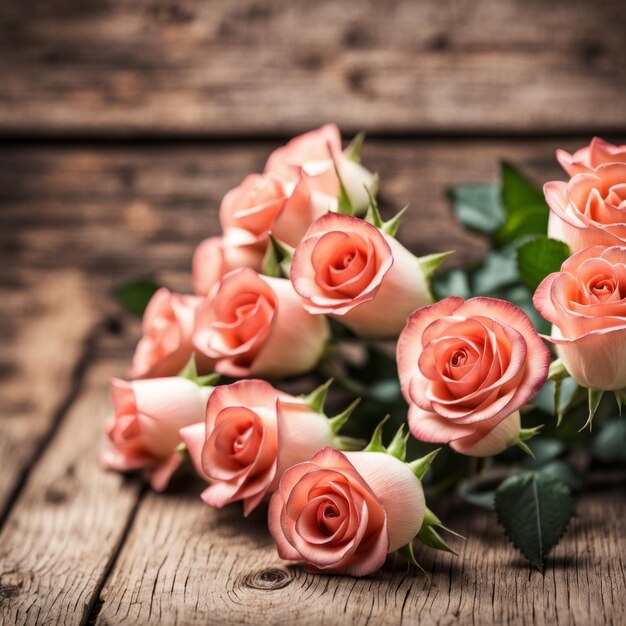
point(344, 205)
point(431, 262)
point(406, 552)
point(353, 151)
point(181, 450)
point(420, 466)
point(390, 227)
point(557, 370)
point(339, 421)
point(347, 444)
point(430, 519)
point(270, 265)
point(594, 396)
point(431, 538)
point(284, 254)
point(373, 216)
point(190, 372)
point(376, 442)
point(317, 398)
point(397, 447)
point(619, 398)
point(524, 435)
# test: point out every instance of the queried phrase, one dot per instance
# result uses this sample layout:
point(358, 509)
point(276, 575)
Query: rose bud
point(315, 155)
point(144, 429)
point(586, 303)
point(466, 368)
point(589, 209)
point(252, 433)
point(588, 159)
point(256, 326)
point(349, 269)
point(342, 513)
point(166, 346)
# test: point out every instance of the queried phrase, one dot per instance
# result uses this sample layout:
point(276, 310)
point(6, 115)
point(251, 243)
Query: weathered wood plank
point(110, 67)
point(184, 563)
point(61, 535)
point(47, 322)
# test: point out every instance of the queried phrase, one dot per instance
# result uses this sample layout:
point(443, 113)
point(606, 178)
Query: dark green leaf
point(480, 493)
point(544, 449)
point(499, 269)
point(609, 445)
point(135, 295)
point(454, 282)
point(538, 258)
point(478, 207)
point(563, 471)
point(525, 207)
point(534, 509)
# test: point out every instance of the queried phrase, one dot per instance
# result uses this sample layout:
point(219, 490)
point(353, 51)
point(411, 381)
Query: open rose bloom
point(144, 429)
point(347, 268)
point(586, 303)
point(588, 159)
point(166, 347)
point(254, 325)
point(589, 209)
point(466, 368)
point(251, 435)
point(344, 512)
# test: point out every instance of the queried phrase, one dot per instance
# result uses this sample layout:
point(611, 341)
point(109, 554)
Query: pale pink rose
point(586, 303)
point(216, 256)
point(342, 513)
point(252, 433)
point(166, 347)
point(144, 429)
point(588, 159)
point(466, 368)
point(254, 325)
point(312, 155)
point(589, 209)
point(347, 268)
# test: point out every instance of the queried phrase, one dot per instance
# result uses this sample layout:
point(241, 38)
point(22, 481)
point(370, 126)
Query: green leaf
point(525, 207)
point(480, 493)
point(609, 445)
point(534, 509)
point(478, 207)
point(538, 258)
point(544, 449)
point(565, 472)
point(353, 151)
point(135, 295)
point(499, 269)
point(453, 282)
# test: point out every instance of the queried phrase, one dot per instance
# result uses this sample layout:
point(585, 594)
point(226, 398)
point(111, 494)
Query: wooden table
point(125, 124)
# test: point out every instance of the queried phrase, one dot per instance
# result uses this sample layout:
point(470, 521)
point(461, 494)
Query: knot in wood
point(270, 579)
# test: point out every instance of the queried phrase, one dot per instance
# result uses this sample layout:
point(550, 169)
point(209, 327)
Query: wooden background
point(124, 123)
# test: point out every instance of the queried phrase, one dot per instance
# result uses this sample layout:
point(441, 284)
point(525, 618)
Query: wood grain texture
point(62, 533)
point(47, 321)
point(172, 67)
point(184, 563)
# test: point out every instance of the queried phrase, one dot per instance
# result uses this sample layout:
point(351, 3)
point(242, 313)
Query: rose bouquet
point(498, 370)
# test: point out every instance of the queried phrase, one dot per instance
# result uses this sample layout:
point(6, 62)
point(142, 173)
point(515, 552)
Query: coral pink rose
point(252, 434)
point(343, 513)
point(347, 268)
point(586, 303)
point(144, 429)
point(465, 369)
point(589, 209)
point(315, 155)
point(166, 347)
point(256, 326)
point(588, 159)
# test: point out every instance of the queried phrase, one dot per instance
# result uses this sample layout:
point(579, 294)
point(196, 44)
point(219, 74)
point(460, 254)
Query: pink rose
point(347, 268)
point(586, 303)
point(166, 347)
point(589, 209)
point(144, 428)
point(312, 155)
point(252, 434)
point(465, 369)
point(342, 513)
point(588, 159)
point(256, 326)
point(216, 256)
